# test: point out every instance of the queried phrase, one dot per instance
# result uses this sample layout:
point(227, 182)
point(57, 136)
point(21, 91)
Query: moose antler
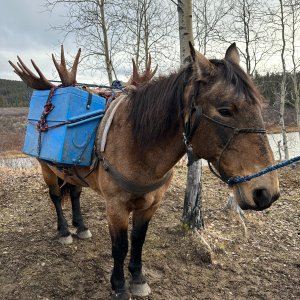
point(38, 83)
point(67, 77)
point(41, 83)
point(138, 79)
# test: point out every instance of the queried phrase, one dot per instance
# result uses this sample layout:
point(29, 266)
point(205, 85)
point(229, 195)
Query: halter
point(190, 128)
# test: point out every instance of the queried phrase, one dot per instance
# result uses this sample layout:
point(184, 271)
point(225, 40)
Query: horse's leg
point(141, 218)
point(77, 221)
point(65, 236)
point(118, 227)
point(56, 196)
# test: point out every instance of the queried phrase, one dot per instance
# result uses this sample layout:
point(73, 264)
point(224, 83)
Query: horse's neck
point(164, 156)
point(154, 161)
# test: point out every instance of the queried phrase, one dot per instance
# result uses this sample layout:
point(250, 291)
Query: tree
point(294, 7)
point(282, 21)
point(94, 31)
point(210, 18)
point(191, 216)
point(249, 28)
point(147, 27)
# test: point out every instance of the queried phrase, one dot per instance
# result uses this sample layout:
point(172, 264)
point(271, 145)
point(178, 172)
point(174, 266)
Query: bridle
point(190, 127)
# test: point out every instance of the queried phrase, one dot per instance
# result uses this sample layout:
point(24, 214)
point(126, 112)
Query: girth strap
point(128, 185)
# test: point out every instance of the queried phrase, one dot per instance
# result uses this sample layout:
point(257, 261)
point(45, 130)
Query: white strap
point(108, 123)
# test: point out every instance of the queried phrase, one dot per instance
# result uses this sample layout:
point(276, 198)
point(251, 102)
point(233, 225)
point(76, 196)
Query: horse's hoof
point(86, 234)
point(66, 240)
point(121, 296)
point(140, 289)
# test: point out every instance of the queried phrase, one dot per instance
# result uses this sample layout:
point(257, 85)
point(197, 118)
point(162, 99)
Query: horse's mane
point(155, 107)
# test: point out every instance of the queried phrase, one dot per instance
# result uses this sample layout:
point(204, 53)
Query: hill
point(14, 93)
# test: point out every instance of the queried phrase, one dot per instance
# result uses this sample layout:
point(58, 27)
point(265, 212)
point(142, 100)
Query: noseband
point(191, 126)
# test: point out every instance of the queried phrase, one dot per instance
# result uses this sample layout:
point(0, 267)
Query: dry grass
point(13, 121)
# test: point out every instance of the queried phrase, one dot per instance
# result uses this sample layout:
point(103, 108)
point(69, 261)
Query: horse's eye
point(225, 112)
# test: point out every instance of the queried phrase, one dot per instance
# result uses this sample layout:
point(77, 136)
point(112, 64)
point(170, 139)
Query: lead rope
point(239, 179)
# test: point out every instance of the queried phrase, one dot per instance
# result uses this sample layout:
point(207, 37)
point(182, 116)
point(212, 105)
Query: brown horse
point(215, 106)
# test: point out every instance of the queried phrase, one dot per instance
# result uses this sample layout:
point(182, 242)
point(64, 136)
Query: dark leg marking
point(119, 252)
point(56, 197)
point(82, 231)
point(138, 235)
point(77, 221)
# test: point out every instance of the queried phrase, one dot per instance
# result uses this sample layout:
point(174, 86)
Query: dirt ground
point(265, 264)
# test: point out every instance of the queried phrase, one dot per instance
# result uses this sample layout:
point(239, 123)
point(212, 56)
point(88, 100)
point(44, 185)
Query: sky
point(24, 31)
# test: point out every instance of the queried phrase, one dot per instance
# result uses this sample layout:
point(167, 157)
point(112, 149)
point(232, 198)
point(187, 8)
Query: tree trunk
point(192, 217)
point(294, 76)
point(185, 28)
point(283, 84)
point(106, 46)
point(297, 105)
point(192, 214)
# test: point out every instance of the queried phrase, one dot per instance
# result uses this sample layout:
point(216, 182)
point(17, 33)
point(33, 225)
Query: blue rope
point(238, 179)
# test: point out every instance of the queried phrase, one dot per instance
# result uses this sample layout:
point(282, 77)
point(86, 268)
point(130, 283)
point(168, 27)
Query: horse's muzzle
point(263, 199)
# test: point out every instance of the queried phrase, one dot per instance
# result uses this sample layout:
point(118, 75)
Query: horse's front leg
point(118, 227)
point(77, 220)
point(141, 218)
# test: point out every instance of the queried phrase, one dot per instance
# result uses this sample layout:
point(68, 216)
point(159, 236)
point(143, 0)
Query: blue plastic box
point(69, 143)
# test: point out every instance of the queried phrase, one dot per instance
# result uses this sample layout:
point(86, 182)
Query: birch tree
point(147, 28)
point(210, 19)
point(294, 18)
point(94, 31)
point(249, 29)
point(192, 216)
point(282, 20)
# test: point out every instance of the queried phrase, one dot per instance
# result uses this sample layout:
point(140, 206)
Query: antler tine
point(148, 73)
point(38, 83)
point(154, 71)
point(67, 77)
point(138, 79)
point(76, 62)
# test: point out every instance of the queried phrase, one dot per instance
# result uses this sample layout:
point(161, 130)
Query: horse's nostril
point(262, 198)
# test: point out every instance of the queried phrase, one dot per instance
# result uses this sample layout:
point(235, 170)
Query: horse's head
point(231, 126)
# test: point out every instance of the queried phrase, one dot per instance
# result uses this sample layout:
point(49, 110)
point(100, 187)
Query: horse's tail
point(64, 190)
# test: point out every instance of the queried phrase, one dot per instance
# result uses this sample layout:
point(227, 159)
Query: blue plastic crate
point(69, 143)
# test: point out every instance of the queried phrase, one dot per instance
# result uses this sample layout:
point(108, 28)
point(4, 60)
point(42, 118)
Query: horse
point(209, 108)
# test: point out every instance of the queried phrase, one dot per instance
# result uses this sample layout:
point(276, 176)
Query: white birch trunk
point(294, 76)
point(108, 64)
point(191, 216)
point(283, 84)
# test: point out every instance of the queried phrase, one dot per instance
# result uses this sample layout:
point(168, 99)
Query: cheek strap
point(190, 127)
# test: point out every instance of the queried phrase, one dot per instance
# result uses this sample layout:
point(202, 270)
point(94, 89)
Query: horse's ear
point(232, 54)
point(201, 65)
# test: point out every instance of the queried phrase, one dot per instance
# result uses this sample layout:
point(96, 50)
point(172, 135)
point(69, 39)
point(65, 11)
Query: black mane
point(156, 106)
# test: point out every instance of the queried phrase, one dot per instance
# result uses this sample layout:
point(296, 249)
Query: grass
point(13, 122)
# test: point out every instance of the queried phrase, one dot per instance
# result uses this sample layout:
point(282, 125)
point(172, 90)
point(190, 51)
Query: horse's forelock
point(235, 75)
